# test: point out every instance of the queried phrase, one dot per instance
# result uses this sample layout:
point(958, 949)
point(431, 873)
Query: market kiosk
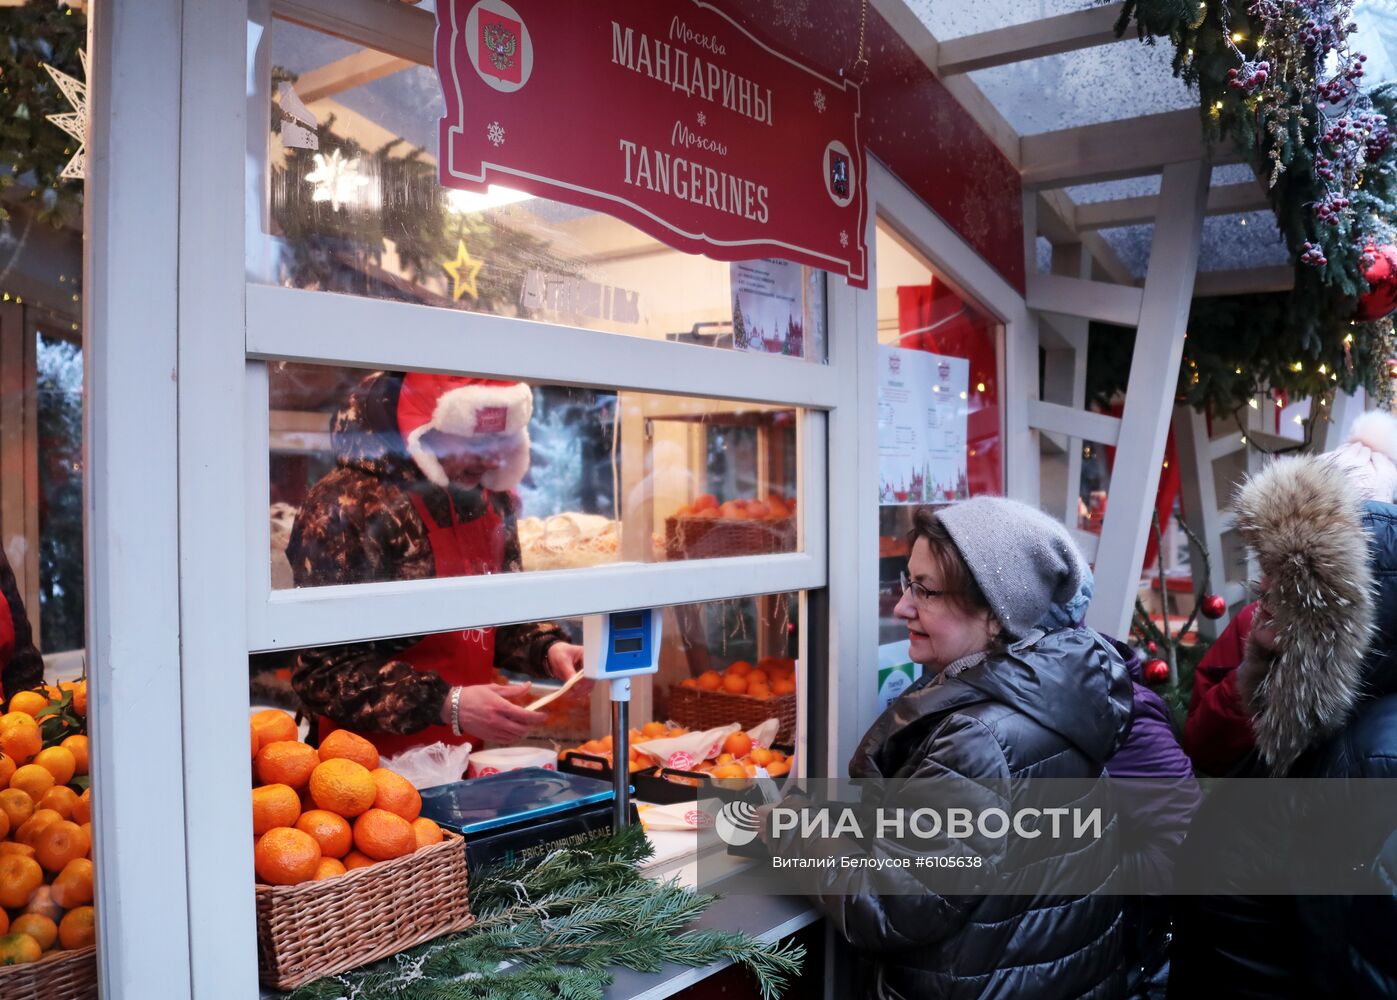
point(707, 420)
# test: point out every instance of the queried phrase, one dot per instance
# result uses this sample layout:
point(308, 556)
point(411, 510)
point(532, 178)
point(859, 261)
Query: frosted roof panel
point(1136, 187)
point(954, 18)
point(1107, 83)
point(1229, 241)
point(1377, 39)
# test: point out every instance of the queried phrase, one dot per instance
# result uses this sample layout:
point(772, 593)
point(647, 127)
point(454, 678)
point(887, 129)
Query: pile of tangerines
point(319, 813)
point(772, 677)
point(46, 875)
point(774, 508)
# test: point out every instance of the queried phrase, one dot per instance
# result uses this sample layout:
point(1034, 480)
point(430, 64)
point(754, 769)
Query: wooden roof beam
point(1019, 42)
point(1226, 199)
point(1111, 150)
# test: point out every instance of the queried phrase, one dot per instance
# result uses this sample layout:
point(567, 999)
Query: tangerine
point(286, 762)
point(40, 928)
point(778, 767)
point(4, 825)
point(33, 780)
point(82, 810)
point(396, 794)
point(30, 828)
point(4, 922)
point(284, 856)
point(78, 928)
point(330, 830)
point(60, 842)
point(357, 859)
point(59, 762)
point(735, 684)
point(739, 667)
point(328, 868)
point(273, 806)
point(7, 769)
point(710, 680)
point(426, 832)
point(62, 800)
point(79, 689)
point(783, 686)
point(77, 746)
point(383, 835)
point(256, 740)
point(342, 744)
point(739, 744)
point(15, 847)
point(759, 691)
point(19, 736)
point(343, 786)
point(757, 676)
point(19, 878)
point(273, 724)
point(29, 702)
point(18, 949)
point(761, 756)
point(74, 884)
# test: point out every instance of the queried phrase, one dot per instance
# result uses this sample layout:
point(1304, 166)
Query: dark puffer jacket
point(1054, 706)
point(1323, 705)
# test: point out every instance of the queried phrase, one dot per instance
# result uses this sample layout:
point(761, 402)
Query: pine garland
point(1266, 80)
point(549, 930)
point(33, 150)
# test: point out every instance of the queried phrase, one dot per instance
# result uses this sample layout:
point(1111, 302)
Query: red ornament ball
point(1213, 606)
point(1156, 672)
point(1380, 271)
point(1151, 648)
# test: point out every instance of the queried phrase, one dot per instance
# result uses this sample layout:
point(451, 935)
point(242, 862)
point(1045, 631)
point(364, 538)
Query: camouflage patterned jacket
point(358, 525)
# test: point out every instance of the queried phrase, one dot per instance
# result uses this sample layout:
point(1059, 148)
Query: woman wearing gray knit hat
point(1002, 698)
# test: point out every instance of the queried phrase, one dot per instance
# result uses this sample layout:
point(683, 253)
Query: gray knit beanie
point(1025, 562)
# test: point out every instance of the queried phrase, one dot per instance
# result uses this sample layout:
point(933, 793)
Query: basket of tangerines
point(347, 871)
point(740, 693)
point(48, 925)
point(707, 529)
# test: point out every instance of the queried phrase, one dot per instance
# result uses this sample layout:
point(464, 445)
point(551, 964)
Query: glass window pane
point(381, 476)
point(719, 664)
point(939, 417)
point(354, 206)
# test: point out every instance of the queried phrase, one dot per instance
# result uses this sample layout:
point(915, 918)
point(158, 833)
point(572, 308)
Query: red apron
point(462, 657)
point(7, 639)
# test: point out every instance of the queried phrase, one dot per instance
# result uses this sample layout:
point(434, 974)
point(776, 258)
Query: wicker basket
point(62, 975)
point(321, 928)
point(715, 537)
point(699, 709)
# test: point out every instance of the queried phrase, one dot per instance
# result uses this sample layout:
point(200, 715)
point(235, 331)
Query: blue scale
point(617, 647)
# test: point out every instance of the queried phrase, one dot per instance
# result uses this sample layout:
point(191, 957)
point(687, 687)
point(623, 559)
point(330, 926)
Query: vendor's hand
point(564, 660)
point(485, 712)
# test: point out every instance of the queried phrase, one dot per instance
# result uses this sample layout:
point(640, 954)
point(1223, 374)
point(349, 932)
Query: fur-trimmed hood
point(1305, 522)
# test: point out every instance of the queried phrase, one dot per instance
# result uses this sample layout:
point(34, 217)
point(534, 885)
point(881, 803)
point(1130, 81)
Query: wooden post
point(1149, 397)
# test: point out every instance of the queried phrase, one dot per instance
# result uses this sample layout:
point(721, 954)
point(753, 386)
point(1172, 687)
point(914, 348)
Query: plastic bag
point(431, 765)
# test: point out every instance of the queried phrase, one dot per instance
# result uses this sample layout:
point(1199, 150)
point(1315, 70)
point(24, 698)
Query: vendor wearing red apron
point(21, 666)
point(422, 488)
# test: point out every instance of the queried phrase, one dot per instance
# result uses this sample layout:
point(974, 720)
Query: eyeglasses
point(922, 595)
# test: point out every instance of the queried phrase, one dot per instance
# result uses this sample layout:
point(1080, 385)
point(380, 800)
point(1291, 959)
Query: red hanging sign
point(667, 114)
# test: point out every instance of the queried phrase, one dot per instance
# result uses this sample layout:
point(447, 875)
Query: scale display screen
point(627, 620)
point(628, 645)
point(623, 644)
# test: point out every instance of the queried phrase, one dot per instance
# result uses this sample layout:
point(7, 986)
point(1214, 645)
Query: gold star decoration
point(73, 122)
point(463, 271)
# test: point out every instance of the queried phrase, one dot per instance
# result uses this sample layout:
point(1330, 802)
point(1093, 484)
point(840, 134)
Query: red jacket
point(1218, 732)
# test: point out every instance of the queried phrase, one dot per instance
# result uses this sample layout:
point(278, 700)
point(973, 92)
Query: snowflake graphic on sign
point(702, 118)
point(495, 133)
point(844, 237)
point(792, 14)
point(819, 100)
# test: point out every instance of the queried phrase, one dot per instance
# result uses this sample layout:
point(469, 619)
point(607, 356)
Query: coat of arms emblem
point(499, 47)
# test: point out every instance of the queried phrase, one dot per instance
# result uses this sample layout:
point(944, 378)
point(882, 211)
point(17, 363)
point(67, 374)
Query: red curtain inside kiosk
point(934, 318)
